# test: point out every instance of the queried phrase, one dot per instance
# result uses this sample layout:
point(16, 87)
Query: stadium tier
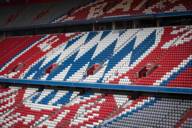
point(147, 56)
point(48, 108)
point(73, 10)
point(122, 8)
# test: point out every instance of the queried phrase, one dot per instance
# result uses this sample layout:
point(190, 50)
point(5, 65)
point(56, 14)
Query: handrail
point(104, 86)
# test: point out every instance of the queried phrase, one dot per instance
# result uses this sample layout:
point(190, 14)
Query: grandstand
point(96, 64)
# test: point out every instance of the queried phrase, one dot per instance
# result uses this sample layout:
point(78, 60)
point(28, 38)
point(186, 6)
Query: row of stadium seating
point(41, 108)
point(130, 57)
point(16, 43)
point(44, 13)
